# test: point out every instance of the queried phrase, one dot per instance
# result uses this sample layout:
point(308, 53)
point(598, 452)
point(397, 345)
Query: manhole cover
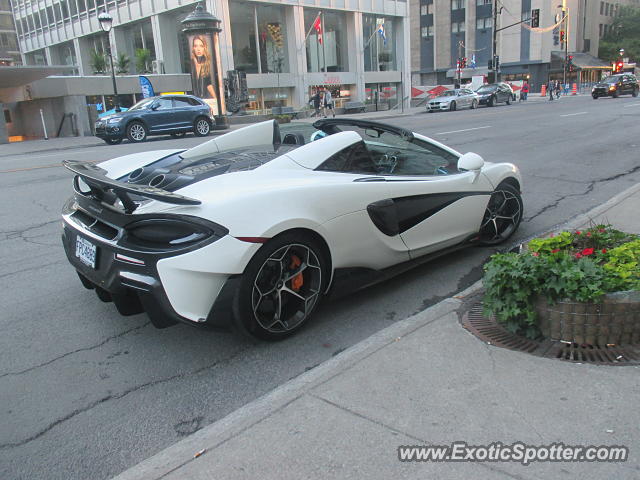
point(490, 331)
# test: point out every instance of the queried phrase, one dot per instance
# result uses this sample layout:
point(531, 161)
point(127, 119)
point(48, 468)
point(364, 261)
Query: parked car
point(493, 93)
point(167, 114)
point(255, 226)
point(453, 99)
point(615, 85)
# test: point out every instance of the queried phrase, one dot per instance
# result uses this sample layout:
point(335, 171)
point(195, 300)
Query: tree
point(624, 33)
point(143, 60)
point(98, 62)
point(122, 63)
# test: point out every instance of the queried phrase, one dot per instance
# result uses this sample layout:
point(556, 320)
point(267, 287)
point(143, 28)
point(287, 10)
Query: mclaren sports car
point(254, 227)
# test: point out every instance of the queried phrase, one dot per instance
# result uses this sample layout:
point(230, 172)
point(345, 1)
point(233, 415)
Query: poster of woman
point(205, 71)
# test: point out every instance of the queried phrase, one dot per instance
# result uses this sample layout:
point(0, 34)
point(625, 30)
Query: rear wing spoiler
point(104, 188)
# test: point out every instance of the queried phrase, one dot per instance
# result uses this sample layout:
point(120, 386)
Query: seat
point(293, 139)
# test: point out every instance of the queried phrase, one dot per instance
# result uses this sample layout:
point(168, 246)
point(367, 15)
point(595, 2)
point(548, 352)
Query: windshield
point(142, 104)
point(486, 88)
point(612, 79)
point(448, 93)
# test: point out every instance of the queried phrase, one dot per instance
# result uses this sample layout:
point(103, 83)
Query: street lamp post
point(565, 18)
point(106, 22)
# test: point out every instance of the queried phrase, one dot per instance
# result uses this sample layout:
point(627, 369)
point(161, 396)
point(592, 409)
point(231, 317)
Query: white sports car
point(253, 227)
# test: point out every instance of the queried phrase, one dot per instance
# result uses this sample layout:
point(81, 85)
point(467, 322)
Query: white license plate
point(86, 252)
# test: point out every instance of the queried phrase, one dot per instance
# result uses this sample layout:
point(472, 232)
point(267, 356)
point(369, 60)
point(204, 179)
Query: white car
point(253, 228)
point(454, 100)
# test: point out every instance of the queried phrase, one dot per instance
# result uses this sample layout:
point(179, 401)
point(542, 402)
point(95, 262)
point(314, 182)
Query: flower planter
point(615, 320)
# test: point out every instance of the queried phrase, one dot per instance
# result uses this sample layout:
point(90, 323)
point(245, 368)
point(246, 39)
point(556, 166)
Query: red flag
point(317, 24)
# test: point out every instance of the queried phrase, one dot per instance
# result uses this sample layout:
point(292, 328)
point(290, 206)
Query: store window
point(326, 46)
point(379, 46)
point(265, 52)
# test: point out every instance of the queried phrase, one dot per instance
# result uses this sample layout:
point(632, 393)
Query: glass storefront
point(261, 100)
point(265, 52)
point(383, 95)
point(379, 46)
point(327, 50)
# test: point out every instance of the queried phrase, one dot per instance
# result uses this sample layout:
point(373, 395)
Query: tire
point(474, 105)
point(179, 134)
point(595, 97)
point(615, 94)
point(201, 127)
point(502, 216)
point(136, 132)
point(509, 100)
point(634, 93)
point(491, 102)
point(452, 106)
point(270, 304)
point(113, 141)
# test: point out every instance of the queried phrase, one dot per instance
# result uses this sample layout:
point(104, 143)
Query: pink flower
point(587, 252)
point(601, 230)
point(551, 236)
point(535, 254)
point(588, 234)
point(578, 232)
point(578, 255)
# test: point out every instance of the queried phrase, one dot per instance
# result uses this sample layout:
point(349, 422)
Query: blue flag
point(147, 88)
point(381, 33)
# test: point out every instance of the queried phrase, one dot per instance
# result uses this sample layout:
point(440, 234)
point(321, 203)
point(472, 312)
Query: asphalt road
point(87, 393)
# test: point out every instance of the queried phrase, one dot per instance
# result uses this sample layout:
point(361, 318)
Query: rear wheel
point(202, 127)
point(509, 100)
point(502, 216)
point(635, 92)
point(452, 106)
point(281, 287)
point(474, 104)
point(136, 132)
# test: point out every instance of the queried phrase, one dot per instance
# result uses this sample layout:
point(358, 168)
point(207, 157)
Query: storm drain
point(491, 332)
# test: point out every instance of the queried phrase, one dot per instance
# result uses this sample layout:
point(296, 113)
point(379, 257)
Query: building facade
point(9, 51)
point(450, 29)
point(274, 42)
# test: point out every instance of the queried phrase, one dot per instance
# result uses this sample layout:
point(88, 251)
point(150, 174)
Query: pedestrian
point(524, 91)
point(315, 102)
point(328, 103)
point(558, 88)
point(551, 87)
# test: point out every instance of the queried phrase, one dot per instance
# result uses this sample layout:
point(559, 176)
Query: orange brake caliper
point(298, 280)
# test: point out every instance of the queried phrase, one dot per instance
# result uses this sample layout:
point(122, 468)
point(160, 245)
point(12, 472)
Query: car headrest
point(293, 139)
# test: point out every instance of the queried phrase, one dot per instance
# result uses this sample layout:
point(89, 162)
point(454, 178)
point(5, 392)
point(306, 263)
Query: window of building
point(332, 54)
point(606, 9)
point(6, 22)
point(457, 27)
point(479, 3)
point(427, 31)
point(426, 9)
point(601, 8)
point(272, 39)
point(457, 4)
point(7, 116)
point(243, 36)
point(379, 49)
point(49, 15)
point(484, 23)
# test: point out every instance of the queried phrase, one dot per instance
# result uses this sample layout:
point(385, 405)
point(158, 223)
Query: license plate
point(86, 252)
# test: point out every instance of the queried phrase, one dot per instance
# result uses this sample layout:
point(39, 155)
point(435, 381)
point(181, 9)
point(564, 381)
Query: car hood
point(120, 115)
point(605, 85)
point(447, 98)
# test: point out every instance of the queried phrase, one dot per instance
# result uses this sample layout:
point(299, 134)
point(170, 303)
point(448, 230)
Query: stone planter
point(615, 320)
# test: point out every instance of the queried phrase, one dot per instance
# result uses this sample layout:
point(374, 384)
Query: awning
point(467, 72)
point(18, 76)
point(583, 61)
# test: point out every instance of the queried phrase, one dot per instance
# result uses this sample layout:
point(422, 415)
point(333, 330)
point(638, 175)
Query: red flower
point(551, 236)
point(556, 250)
point(535, 254)
point(601, 230)
point(588, 234)
point(587, 251)
point(604, 250)
point(578, 255)
point(578, 232)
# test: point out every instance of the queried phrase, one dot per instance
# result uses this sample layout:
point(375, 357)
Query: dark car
point(168, 114)
point(493, 93)
point(614, 85)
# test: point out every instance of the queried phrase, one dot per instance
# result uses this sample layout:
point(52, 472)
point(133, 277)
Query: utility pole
point(459, 73)
point(565, 18)
point(494, 48)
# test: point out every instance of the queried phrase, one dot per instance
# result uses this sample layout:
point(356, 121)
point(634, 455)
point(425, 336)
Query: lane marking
point(465, 130)
point(572, 114)
point(633, 105)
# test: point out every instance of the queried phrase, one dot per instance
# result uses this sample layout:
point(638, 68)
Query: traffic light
point(561, 36)
point(463, 62)
point(618, 66)
point(570, 63)
point(535, 18)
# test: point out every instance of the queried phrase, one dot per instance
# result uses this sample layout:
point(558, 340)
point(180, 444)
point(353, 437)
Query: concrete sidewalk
point(423, 381)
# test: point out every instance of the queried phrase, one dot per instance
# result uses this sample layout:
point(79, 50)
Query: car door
point(182, 113)
point(158, 118)
point(434, 204)
point(468, 97)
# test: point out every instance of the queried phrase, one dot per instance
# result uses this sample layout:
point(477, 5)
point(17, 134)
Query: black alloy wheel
point(281, 287)
point(453, 106)
point(474, 104)
point(502, 216)
point(595, 97)
point(113, 141)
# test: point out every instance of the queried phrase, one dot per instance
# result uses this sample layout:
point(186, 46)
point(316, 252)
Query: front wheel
point(508, 100)
point(136, 132)
point(202, 127)
point(634, 93)
point(595, 97)
point(281, 287)
point(615, 94)
point(502, 215)
point(491, 102)
point(474, 105)
point(452, 107)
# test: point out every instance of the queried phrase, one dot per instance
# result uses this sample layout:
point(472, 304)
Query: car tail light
point(170, 233)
